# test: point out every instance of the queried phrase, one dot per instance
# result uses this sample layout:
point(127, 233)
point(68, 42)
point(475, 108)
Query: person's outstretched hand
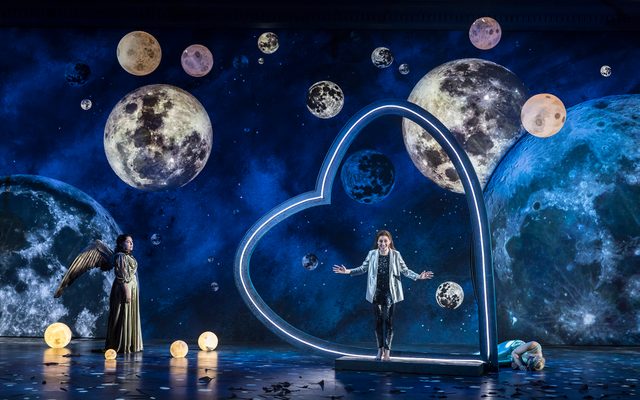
point(425, 275)
point(340, 269)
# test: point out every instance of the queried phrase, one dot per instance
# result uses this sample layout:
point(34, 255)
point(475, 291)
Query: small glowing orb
point(605, 71)
point(178, 349)
point(543, 115)
point(208, 341)
point(110, 354)
point(485, 33)
point(57, 335)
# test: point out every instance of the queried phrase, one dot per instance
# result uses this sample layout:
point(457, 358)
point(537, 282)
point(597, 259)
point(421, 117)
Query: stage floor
point(29, 370)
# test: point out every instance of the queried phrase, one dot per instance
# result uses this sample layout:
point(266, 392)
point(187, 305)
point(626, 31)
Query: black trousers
point(383, 310)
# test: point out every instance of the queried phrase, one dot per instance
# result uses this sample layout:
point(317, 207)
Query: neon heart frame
point(482, 269)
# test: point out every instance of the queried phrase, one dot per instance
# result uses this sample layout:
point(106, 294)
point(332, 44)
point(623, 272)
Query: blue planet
point(45, 224)
point(367, 176)
point(565, 219)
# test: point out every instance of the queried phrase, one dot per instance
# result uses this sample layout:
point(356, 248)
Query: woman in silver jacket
point(384, 265)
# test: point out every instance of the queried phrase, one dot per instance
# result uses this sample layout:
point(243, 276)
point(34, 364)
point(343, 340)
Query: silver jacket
point(396, 267)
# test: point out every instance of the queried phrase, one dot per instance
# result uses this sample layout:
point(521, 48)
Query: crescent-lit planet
point(325, 99)
point(543, 115)
point(139, 53)
point(268, 43)
point(485, 33)
point(158, 137)
point(479, 102)
point(197, 60)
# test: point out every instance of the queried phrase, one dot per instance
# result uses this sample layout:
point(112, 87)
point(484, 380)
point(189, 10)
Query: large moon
point(158, 137)
point(44, 224)
point(479, 102)
point(566, 237)
point(139, 53)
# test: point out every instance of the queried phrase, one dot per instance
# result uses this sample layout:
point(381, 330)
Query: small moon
point(485, 33)
point(605, 71)
point(543, 115)
point(139, 53)
point(197, 60)
point(382, 57)
point(268, 43)
point(325, 99)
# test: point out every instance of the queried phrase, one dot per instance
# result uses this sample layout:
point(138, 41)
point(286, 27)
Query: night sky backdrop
point(268, 147)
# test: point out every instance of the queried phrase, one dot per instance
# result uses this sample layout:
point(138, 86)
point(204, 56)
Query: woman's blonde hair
point(536, 363)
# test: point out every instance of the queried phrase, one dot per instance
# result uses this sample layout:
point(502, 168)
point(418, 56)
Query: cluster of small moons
point(207, 341)
point(58, 336)
point(543, 115)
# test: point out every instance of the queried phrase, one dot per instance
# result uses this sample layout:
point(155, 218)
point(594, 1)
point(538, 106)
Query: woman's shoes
point(386, 355)
point(379, 356)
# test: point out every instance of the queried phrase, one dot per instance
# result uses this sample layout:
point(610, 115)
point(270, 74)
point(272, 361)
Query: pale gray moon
point(382, 57)
point(479, 102)
point(268, 43)
point(139, 53)
point(325, 99)
point(449, 295)
point(158, 137)
point(44, 224)
point(197, 60)
point(485, 33)
point(543, 115)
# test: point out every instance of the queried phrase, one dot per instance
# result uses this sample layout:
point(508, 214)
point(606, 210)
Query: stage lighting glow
point(179, 349)
point(57, 335)
point(208, 341)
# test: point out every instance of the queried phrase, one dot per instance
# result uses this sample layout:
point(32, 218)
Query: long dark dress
point(123, 332)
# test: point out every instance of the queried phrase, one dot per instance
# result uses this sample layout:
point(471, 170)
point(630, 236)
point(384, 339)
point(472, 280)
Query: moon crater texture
point(564, 214)
point(139, 53)
point(367, 176)
point(197, 60)
point(158, 137)
point(325, 99)
point(44, 224)
point(480, 103)
point(485, 33)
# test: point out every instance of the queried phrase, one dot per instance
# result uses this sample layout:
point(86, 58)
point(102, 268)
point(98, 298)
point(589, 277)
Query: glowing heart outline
point(482, 271)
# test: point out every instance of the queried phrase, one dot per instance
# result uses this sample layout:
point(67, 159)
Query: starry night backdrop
point(567, 244)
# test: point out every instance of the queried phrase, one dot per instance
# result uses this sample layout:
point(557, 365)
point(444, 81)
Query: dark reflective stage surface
point(29, 370)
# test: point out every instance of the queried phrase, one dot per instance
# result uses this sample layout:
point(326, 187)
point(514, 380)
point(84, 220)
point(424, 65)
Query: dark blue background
point(267, 148)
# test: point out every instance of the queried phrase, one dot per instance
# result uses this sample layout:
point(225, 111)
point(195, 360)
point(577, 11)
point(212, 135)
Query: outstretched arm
point(341, 269)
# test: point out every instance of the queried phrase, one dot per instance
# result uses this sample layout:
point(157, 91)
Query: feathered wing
point(96, 255)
